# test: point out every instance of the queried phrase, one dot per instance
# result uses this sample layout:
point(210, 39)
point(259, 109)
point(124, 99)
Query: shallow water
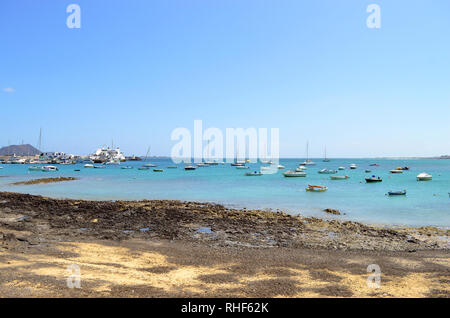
point(426, 203)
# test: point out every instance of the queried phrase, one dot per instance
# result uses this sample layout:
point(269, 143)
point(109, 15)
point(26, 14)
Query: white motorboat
point(353, 166)
point(424, 176)
point(300, 168)
point(35, 168)
point(49, 168)
point(251, 174)
point(341, 168)
point(339, 177)
point(88, 165)
point(396, 171)
point(326, 171)
point(242, 167)
point(291, 174)
point(281, 167)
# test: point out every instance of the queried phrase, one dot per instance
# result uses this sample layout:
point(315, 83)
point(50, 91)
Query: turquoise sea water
point(426, 203)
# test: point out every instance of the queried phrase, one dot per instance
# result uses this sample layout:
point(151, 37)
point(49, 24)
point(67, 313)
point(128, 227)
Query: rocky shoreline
point(44, 180)
point(35, 219)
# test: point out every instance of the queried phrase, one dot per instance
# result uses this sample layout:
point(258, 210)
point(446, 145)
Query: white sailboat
point(146, 165)
point(307, 162)
point(325, 159)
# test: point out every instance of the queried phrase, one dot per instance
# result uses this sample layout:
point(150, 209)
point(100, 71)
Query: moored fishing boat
point(254, 173)
point(49, 168)
point(339, 177)
point(158, 170)
point(190, 168)
point(172, 167)
point(35, 168)
point(373, 179)
point(293, 174)
point(315, 188)
point(300, 168)
point(281, 167)
point(424, 177)
point(353, 166)
point(341, 168)
point(326, 171)
point(88, 165)
point(127, 167)
point(143, 168)
point(242, 167)
point(397, 192)
point(396, 171)
point(368, 171)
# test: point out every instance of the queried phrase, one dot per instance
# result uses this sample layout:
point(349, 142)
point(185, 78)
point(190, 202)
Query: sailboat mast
point(148, 151)
point(40, 140)
point(307, 151)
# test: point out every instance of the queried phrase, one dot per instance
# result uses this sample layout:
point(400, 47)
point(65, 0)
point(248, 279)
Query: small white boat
point(339, 177)
point(49, 168)
point(242, 167)
point(293, 174)
point(113, 162)
point(396, 171)
point(88, 165)
point(149, 165)
point(353, 166)
point(100, 167)
point(35, 168)
point(126, 167)
point(255, 173)
point(326, 171)
point(424, 176)
point(190, 168)
point(341, 168)
point(281, 167)
point(300, 168)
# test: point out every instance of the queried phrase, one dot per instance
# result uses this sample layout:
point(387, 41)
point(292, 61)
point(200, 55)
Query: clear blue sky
point(138, 69)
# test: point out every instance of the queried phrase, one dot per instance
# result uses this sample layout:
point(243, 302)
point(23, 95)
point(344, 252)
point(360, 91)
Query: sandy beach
point(189, 249)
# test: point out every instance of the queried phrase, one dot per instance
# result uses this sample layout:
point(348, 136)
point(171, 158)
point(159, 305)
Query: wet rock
point(332, 211)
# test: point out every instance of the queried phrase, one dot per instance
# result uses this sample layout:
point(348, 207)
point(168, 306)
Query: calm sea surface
point(426, 203)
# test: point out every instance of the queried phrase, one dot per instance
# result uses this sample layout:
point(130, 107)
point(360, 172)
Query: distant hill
point(19, 150)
